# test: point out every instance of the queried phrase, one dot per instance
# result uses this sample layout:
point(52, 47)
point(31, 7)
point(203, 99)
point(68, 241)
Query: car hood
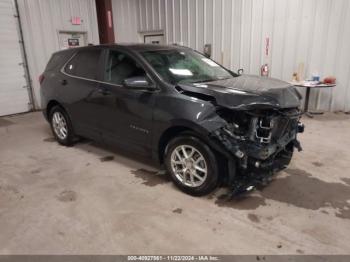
point(246, 91)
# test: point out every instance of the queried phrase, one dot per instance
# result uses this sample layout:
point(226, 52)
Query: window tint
point(185, 66)
point(120, 66)
point(84, 64)
point(55, 60)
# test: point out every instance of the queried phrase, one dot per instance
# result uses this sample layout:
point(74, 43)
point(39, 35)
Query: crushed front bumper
point(254, 175)
point(252, 164)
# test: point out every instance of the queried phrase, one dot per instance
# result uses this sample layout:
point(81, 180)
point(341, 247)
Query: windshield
point(185, 66)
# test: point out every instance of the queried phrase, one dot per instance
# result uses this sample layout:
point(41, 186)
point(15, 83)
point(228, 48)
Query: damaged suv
point(204, 123)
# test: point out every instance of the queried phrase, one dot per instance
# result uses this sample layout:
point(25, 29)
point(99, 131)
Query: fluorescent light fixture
point(210, 62)
point(181, 72)
point(200, 85)
point(236, 91)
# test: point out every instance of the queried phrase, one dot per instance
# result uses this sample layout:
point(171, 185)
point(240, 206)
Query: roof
point(130, 46)
point(145, 47)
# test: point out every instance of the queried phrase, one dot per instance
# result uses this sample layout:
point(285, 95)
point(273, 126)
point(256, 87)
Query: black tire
point(212, 177)
point(69, 139)
point(285, 156)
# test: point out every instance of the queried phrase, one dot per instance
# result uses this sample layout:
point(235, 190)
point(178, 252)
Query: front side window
point(185, 66)
point(84, 64)
point(120, 66)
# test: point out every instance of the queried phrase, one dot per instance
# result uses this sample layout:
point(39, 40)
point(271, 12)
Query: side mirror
point(138, 83)
point(240, 71)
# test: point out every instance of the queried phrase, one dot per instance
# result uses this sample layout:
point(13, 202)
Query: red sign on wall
point(76, 20)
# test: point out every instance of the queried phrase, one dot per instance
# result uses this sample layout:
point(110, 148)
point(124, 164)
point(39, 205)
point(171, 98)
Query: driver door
point(126, 114)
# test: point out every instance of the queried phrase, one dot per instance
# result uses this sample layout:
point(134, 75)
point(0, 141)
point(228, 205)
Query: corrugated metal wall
point(313, 32)
point(125, 20)
point(42, 19)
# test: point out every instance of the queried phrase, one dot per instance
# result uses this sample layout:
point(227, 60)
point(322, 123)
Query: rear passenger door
point(78, 89)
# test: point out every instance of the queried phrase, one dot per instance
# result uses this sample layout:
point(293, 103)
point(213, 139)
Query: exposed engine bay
point(256, 123)
point(262, 142)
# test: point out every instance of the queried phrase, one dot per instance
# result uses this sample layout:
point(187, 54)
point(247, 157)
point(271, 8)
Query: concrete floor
point(87, 199)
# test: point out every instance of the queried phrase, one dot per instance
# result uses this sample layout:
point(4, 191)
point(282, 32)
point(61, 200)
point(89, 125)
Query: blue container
point(316, 78)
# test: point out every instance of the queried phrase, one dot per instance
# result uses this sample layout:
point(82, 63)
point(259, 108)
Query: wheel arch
point(181, 127)
point(168, 135)
point(177, 130)
point(50, 105)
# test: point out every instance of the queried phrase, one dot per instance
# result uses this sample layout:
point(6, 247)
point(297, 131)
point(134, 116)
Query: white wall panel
point(245, 36)
point(184, 22)
point(342, 68)
point(127, 19)
point(42, 19)
point(313, 32)
point(13, 92)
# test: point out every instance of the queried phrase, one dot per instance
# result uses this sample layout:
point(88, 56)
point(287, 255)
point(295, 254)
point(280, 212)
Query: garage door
point(14, 96)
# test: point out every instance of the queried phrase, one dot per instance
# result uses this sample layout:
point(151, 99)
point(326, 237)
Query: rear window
point(55, 61)
point(84, 64)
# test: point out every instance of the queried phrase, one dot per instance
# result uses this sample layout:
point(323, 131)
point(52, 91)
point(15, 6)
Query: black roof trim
point(128, 46)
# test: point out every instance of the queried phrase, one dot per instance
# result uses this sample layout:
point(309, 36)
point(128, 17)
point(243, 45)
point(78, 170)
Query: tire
point(61, 126)
point(286, 156)
point(206, 176)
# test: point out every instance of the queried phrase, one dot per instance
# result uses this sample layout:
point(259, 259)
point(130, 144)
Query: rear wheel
point(61, 126)
point(192, 165)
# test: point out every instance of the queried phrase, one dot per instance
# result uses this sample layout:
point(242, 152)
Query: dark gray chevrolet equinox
point(206, 124)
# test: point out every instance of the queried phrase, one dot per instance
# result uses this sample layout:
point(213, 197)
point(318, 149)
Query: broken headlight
point(262, 126)
point(261, 129)
point(238, 123)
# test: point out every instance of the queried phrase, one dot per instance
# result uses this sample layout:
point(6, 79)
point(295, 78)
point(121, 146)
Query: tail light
point(41, 78)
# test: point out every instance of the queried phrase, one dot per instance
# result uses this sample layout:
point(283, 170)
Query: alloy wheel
point(189, 166)
point(59, 125)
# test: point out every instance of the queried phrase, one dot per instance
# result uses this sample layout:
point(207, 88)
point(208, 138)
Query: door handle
point(64, 82)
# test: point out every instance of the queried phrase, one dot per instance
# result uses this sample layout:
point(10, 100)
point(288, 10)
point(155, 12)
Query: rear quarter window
point(84, 64)
point(55, 61)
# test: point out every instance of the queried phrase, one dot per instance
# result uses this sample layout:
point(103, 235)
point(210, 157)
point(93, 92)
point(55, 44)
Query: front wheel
point(192, 165)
